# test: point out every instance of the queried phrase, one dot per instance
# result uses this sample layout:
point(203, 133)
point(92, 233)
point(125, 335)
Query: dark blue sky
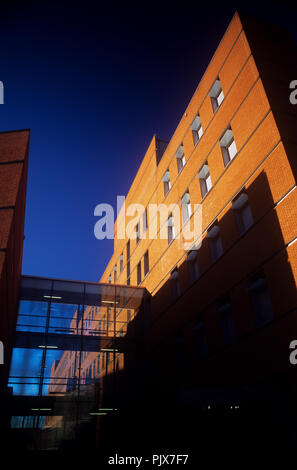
point(93, 85)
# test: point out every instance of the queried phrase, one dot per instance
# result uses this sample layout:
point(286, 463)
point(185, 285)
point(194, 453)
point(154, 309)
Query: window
point(205, 180)
point(215, 241)
point(115, 273)
point(175, 284)
point(144, 221)
point(98, 364)
point(260, 298)
point(226, 320)
point(128, 250)
point(138, 232)
point(243, 213)
point(121, 263)
point(197, 130)
point(103, 360)
point(228, 146)
point(170, 229)
point(108, 322)
point(109, 279)
point(104, 324)
point(193, 266)
point(180, 157)
point(128, 263)
point(200, 336)
point(139, 273)
point(216, 94)
point(108, 356)
point(166, 181)
point(186, 206)
point(146, 263)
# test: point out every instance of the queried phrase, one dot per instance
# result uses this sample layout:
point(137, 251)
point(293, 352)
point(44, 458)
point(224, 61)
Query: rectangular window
point(201, 341)
point(121, 263)
point(197, 130)
point(174, 278)
point(139, 273)
point(170, 229)
point(144, 221)
point(128, 263)
point(186, 207)
point(226, 320)
point(216, 94)
point(193, 266)
point(166, 181)
point(243, 213)
point(259, 294)
point(146, 263)
point(108, 319)
point(228, 146)
point(115, 273)
point(215, 243)
point(205, 180)
point(180, 158)
point(137, 232)
point(109, 279)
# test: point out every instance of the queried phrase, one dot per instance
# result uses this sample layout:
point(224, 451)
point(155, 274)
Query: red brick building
point(222, 316)
point(213, 344)
point(14, 148)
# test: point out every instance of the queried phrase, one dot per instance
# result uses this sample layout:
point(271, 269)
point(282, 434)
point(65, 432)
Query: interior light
point(51, 297)
point(107, 349)
point(107, 409)
point(97, 414)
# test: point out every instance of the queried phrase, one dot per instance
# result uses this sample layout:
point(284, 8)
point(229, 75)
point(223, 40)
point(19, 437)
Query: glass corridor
point(69, 336)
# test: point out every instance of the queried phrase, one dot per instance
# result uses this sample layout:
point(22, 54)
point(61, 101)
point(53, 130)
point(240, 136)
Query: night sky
point(94, 84)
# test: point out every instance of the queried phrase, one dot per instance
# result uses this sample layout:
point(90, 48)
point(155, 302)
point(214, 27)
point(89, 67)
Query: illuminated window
point(166, 181)
point(170, 229)
point(186, 206)
point(197, 130)
point(228, 146)
point(121, 262)
point(205, 179)
point(180, 158)
point(216, 94)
